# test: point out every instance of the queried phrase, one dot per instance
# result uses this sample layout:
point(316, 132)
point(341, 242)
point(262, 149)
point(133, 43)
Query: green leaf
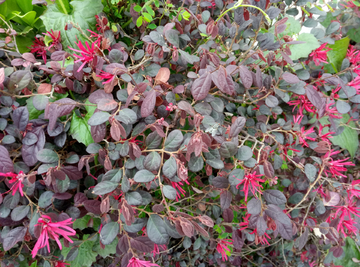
point(350, 252)
point(137, 8)
point(349, 138)
point(152, 26)
point(25, 5)
point(29, 18)
point(33, 112)
point(63, 6)
point(337, 54)
point(83, 14)
point(109, 249)
point(47, 156)
point(104, 187)
point(354, 34)
point(139, 22)
point(109, 232)
point(80, 129)
point(293, 27)
point(147, 17)
point(151, 12)
point(156, 230)
point(86, 254)
point(144, 176)
point(81, 223)
point(303, 50)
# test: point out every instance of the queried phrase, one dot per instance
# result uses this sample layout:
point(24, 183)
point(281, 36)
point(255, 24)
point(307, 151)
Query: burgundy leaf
point(290, 78)
point(99, 95)
point(186, 106)
point(245, 76)
point(6, 164)
point(57, 109)
point(237, 126)
point(225, 199)
point(223, 81)
point(201, 86)
point(107, 104)
point(148, 105)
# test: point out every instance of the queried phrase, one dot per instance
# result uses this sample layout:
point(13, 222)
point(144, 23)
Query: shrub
point(209, 133)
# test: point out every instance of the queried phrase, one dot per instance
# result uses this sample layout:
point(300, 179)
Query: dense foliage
point(179, 133)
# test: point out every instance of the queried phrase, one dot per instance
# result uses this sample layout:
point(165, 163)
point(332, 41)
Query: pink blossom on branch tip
point(251, 182)
point(135, 262)
point(222, 247)
point(17, 181)
point(319, 55)
point(52, 230)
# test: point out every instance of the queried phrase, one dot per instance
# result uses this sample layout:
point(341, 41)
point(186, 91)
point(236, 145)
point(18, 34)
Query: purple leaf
point(15, 235)
point(303, 239)
point(99, 95)
point(201, 86)
point(148, 105)
point(223, 81)
point(6, 164)
point(57, 109)
point(237, 126)
point(290, 78)
point(220, 182)
point(316, 98)
point(225, 200)
point(245, 76)
point(274, 197)
point(254, 206)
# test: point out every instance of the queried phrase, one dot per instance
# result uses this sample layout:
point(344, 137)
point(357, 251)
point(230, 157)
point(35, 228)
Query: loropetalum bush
point(224, 138)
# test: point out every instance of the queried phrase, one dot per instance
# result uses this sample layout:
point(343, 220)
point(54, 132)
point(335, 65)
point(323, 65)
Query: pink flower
point(304, 103)
point(16, 180)
point(261, 239)
point(331, 111)
point(171, 107)
point(222, 247)
point(335, 166)
point(52, 230)
point(135, 262)
point(87, 53)
point(324, 137)
point(352, 191)
point(106, 76)
point(345, 216)
point(356, 83)
point(250, 182)
point(319, 55)
point(178, 187)
point(39, 48)
point(156, 250)
point(56, 39)
point(245, 224)
point(353, 54)
point(61, 264)
point(303, 135)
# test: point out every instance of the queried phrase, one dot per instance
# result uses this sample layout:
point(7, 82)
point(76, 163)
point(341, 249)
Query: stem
point(238, 4)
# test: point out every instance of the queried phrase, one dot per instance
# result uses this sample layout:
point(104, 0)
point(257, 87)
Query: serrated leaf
point(83, 13)
point(86, 255)
point(303, 50)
